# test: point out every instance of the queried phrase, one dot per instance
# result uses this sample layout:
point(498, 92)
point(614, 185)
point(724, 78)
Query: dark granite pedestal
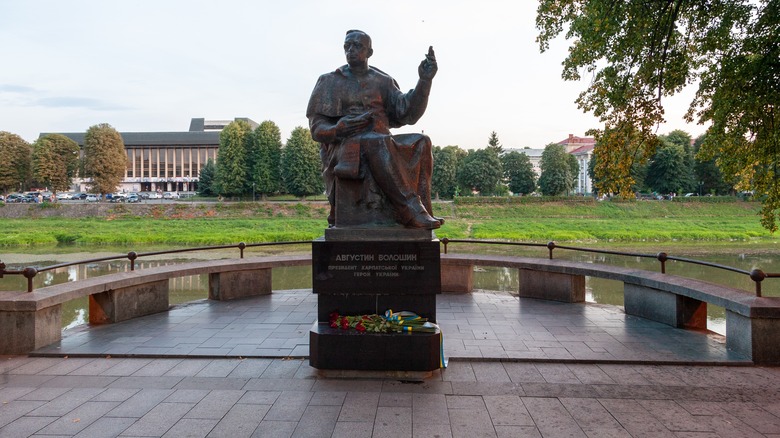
point(354, 274)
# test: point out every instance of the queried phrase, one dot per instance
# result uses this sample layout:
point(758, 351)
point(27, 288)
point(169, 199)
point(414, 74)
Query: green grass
point(541, 221)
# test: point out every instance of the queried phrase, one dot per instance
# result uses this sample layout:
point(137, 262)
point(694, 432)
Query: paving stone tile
point(44, 394)
point(215, 404)
point(430, 409)
point(673, 416)
point(35, 366)
point(140, 403)
point(393, 421)
point(78, 419)
point(355, 429)
point(154, 382)
point(551, 417)
point(191, 428)
point(71, 381)
point(211, 383)
point(274, 429)
point(507, 410)
point(157, 367)
point(279, 385)
point(556, 373)
point(66, 402)
point(328, 398)
point(517, 432)
point(259, 397)
point(125, 367)
point(289, 406)
point(25, 426)
point(10, 411)
point(317, 421)
point(459, 371)
point(359, 406)
point(187, 396)
point(642, 424)
point(490, 372)
point(240, 421)
point(592, 416)
point(471, 422)
point(158, 420)
point(250, 368)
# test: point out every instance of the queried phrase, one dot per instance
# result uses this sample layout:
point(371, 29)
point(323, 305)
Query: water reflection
point(185, 289)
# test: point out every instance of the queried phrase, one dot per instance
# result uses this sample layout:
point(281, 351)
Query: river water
point(598, 290)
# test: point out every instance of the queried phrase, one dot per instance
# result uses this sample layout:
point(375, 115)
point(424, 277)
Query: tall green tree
point(519, 172)
point(668, 171)
point(105, 159)
point(232, 175)
point(444, 181)
point(265, 155)
point(480, 171)
point(639, 52)
point(206, 179)
point(558, 176)
point(301, 165)
point(709, 178)
point(55, 161)
point(16, 162)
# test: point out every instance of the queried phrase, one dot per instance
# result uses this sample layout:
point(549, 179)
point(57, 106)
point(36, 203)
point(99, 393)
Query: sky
point(152, 65)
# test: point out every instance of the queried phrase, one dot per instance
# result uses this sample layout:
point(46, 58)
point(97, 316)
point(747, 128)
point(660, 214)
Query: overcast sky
point(152, 65)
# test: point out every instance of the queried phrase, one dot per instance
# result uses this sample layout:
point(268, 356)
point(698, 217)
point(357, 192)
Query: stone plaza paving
point(517, 367)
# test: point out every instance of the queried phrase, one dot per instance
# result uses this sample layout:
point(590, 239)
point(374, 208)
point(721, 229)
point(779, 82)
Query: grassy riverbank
point(576, 221)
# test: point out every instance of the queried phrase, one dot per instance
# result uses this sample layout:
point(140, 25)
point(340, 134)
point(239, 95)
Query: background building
point(167, 161)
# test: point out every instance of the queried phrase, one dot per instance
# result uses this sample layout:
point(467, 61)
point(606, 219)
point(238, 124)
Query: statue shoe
point(425, 221)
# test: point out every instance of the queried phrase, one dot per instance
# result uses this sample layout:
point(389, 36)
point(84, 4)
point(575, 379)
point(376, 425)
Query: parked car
point(154, 195)
point(64, 196)
point(92, 198)
point(14, 198)
point(170, 195)
point(79, 196)
point(133, 198)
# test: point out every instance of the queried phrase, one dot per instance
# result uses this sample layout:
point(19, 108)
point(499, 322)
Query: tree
point(480, 170)
point(232, 173)
point(105, 159)
point(708, 175)
point(265, 159)
point(558, 176)
point(301, 166)
point(495, 145)
point(16, 157)
point(55, 161)
point(641, 51)
point(668, 171)
point(444, 181)
point(206, 179)
point(519, 172)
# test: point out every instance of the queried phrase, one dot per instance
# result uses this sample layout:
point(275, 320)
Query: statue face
point(356, 49)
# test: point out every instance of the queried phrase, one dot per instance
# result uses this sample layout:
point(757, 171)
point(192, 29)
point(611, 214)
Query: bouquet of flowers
point(398, 322)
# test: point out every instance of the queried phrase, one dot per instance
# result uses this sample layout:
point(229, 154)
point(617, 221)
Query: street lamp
point(253, 192)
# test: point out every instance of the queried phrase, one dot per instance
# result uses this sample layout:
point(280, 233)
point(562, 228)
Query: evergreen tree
point(480, 170)
point(495, 145)
point(444, 182)
point(206, 179)
point(105, 159)
point(15, 162)
point(265, 159)
point(519, 172)
point(557, 177)
point(55, 161)
point(232, 173)
point(301, 166)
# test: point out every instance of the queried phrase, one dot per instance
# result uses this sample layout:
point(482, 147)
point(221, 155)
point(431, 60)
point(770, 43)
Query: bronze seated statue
point(373, 178)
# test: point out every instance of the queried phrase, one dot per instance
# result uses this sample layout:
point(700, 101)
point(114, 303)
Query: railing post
point(2, 268)
point(662, 257)
point(241, 246)
point(758, 276)
point(132, 255)
point(444, 241)
point(551, 247)
point(29, 274)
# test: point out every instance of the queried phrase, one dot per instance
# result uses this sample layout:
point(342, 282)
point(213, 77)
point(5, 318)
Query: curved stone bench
point(752, 323)
point(33, 320)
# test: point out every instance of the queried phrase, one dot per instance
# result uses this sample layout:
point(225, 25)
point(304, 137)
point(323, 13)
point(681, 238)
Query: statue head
point(357, 48)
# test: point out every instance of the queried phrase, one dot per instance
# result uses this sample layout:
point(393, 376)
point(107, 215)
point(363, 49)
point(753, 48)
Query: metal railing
point(757, 275)
point(30, 272)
